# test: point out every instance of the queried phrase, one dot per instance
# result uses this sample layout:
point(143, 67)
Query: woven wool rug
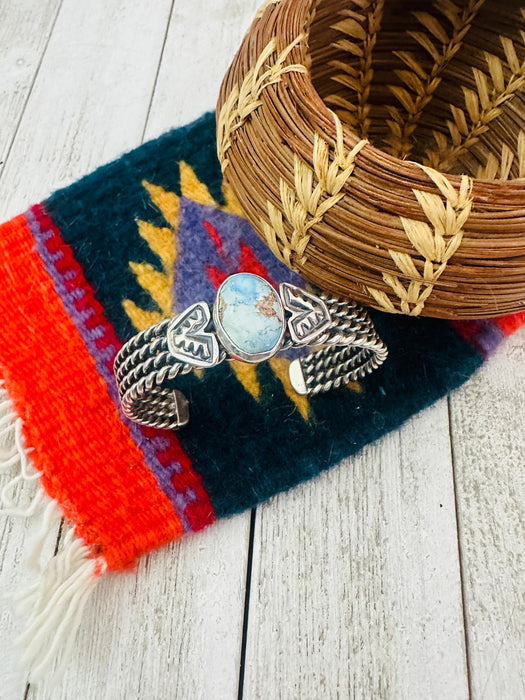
point(137, 241)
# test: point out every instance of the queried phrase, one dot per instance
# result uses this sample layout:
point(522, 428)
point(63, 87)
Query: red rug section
point(199, 510)
point(71, 425)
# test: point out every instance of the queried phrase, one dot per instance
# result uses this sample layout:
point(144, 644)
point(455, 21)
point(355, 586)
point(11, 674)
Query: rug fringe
point(50, 519)
point(14, 459)
point(54, 604)
point(53, 607)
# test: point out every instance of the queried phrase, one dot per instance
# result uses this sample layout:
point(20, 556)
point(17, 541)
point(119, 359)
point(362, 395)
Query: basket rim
point(353, 218)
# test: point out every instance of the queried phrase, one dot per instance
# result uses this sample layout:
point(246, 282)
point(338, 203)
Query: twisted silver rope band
point(352, 349)
point(145, 367)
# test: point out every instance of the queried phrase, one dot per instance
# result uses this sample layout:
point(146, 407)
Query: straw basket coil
point(378, 146)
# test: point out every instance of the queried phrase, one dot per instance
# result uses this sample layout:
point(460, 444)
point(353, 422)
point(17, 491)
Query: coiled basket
point(378, 146)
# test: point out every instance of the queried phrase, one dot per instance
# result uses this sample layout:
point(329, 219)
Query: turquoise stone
point(249, 316)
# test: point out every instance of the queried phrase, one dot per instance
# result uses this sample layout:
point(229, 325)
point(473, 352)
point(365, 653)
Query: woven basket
point(378, 145)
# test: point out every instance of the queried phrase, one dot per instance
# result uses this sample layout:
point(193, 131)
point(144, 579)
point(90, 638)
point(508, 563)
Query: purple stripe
point(484, 335)
point(488, 337)
point(103, 357)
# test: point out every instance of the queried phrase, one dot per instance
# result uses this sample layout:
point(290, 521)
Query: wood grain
point(355, 588)
point(201, 41)
point(25, 28)
point(24, 32)
point(170, 629)
point(364, 583)
point(488, 429)
point(90, 100)
point(89, 109)
point(16, 541)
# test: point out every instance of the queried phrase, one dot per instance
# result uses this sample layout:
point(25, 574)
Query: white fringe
point(54, 604)
point(50, 520)
point(14, 458)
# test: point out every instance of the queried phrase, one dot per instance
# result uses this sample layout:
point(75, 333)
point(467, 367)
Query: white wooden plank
point(61, 104)
point(202, 41)
point(384, 606)
point(16, 542)
point(170, 629)
point(149, 653)
point(355, 587)
point(25, 26)
point(488, 428)
point(91, 98)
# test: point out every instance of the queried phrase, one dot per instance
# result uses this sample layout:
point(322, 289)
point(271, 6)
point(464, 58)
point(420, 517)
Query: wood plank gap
point(460, 554)
point(33, 81)
point(59, 536)
point(55, 552)
point(156, 78)
point(244, 641)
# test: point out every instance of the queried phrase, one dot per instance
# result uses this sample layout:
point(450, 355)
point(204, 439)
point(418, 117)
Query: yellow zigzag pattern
point(159, 283)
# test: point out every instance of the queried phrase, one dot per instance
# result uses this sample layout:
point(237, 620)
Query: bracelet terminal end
point(181, 408)
point(297, 377)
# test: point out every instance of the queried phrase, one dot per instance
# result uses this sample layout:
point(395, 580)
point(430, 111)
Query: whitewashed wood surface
point(398, 574)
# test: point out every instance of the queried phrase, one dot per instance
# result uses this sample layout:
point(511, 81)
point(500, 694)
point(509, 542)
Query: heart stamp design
point(188, 339)
point(309, 314)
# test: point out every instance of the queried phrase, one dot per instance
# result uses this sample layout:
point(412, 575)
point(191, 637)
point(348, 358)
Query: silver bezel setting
point(349, 349)
point(229, 345)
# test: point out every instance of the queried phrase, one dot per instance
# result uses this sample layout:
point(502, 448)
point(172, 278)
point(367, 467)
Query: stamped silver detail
point(188, 339)
point(309, 314)
point(250, 324)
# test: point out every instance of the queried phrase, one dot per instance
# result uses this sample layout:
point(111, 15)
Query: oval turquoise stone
point(249, 313)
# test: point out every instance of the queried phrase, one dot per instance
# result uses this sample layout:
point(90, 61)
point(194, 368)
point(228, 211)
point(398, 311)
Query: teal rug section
point(98, 215)
point(248, 437)
point(247, 451)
